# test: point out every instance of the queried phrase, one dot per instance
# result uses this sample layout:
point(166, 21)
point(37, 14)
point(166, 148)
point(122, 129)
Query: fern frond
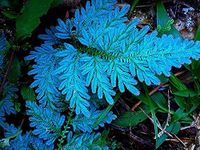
point(45, 82)
point(50, 37)
point(119, 73)
point(47, 123)
point(28, 142)
point(9, 130)
point(7, 103)
point(85, 141)
point(93, 68)
point(129, 52)
point(14, 140)
point(110, 52)
point(72, 81)
point(64, 29)
point(92, 12)
point(158, 55)
point(39, 144)
point(86, 124)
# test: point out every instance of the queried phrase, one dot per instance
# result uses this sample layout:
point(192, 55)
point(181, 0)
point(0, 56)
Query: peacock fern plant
point(100, 51)
point(81, 65)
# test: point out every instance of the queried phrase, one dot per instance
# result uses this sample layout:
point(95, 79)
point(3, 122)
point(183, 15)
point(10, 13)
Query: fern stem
point(65, 130)
point(95, 52)
point(105, 112)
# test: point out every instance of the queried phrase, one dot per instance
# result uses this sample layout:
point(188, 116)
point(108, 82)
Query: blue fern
point(20, 142)
point(47, 122)
point(50, 37)
point(64, 29)
point(105, 52)
point(7, 103)
point(72, 81)
point(28, 142)
point(14, 139)
point(39, 144)
point(87, 124)
point(46, 83)
point(84, 141)
point(92, 13)
point(9, 130)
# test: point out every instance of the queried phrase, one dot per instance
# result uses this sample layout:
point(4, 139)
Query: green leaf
point(30, 17)
point(164, 23)
point(178, 84)
point(103, 138)
point(195, 67)
point(28, 94)
point(180, 101)
point(188, 104)
point(192, 104)
point(146, 99)
point(15, 71)
point(178, 115)
point(131, 119)
point(163, 79)
point(10, 14)
point(197, 36)
point(133, 5)
point(181, 116)
point(55, 3)
point(185, 93)
point(17, 106)
point(173, 128)
point(160, 101)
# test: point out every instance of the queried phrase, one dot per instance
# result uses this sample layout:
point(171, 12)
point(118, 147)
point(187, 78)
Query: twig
point(140, 140)
point(169, 109)
point(121, 129)
point(150, 93)
point(179, 140)
point(136, 105)
point(187, 127)
point(180, 73)
point(123, 103)
point(168, 116)
point(194, 123)
point(22, 122)
point(7, 71)
point(185, 140)
point(160, 127)
point(156, 89)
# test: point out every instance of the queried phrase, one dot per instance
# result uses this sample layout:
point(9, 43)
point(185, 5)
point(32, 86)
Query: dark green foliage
point(30, 17)
point(28, 94)
point(164, 23)
point(130, 119)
